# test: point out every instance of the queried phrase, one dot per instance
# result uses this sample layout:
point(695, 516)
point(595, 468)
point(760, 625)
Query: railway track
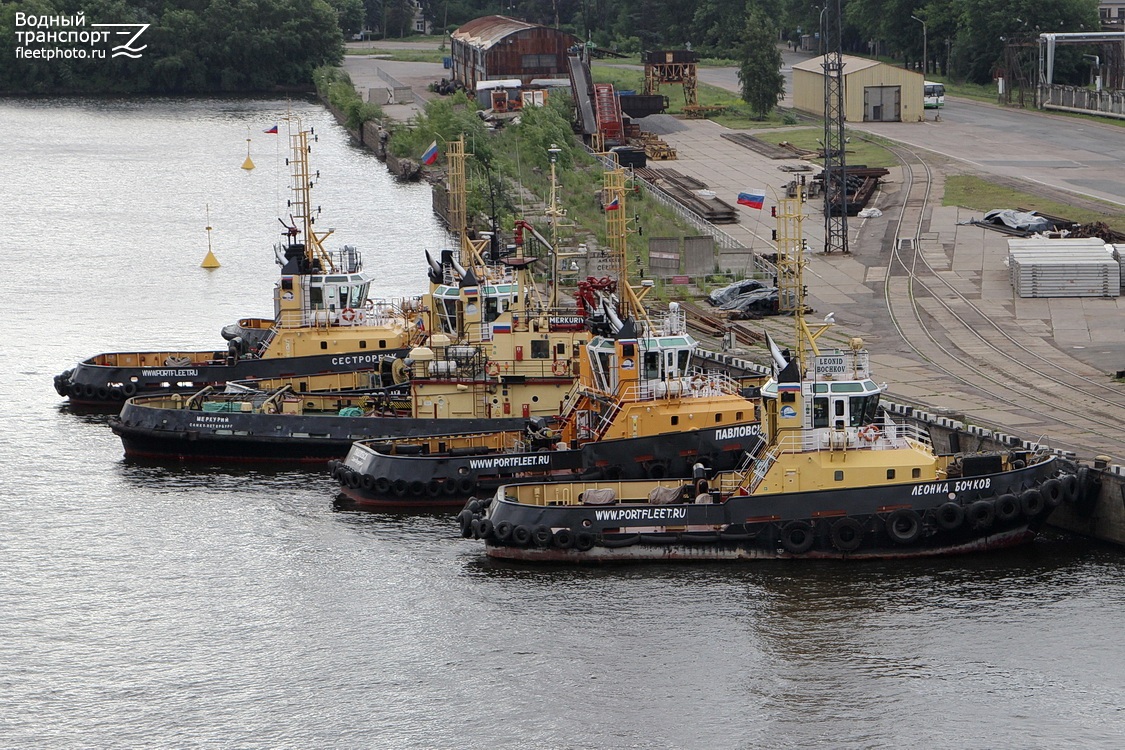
point(1001, 367)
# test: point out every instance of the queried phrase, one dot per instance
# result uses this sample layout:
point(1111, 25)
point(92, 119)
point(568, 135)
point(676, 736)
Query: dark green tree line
point(192, 46)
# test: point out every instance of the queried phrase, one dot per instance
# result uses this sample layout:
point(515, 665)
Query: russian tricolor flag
point(753, 199)
point(431, 155)
point(613, 205)
point(271, 130)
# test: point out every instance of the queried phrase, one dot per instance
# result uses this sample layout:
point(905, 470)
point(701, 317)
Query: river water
point(148, 606)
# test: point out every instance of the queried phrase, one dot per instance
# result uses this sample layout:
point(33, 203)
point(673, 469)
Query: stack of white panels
point(1041, 267)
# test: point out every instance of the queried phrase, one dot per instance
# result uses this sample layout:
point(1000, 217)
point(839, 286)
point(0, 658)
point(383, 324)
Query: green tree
point(759, 75)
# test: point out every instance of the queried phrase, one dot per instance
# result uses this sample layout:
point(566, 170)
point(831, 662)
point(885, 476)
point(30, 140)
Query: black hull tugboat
point(290, 420)
point(491, 354)
point(838, 479)
point(323, 322)
point(640, 408)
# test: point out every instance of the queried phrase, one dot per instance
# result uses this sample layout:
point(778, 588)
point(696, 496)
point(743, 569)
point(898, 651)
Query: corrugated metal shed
point(1068, 267)
point(494, 47)
point(485, 32)
point(873, 91)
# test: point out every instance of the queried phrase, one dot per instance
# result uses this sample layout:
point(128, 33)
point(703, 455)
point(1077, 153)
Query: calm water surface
point(144, 606)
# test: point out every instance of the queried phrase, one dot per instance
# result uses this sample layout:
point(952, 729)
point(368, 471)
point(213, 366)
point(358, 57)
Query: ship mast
point(301, 205)
point(617, 234)
point(471, 252)
point(791, 262)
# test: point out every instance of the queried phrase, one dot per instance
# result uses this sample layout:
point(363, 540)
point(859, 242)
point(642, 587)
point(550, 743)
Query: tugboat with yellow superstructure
point(838, 478)
point(323, 321)
point(493, 352)
point(641, 408)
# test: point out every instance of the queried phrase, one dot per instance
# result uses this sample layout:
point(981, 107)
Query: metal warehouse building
point(873, 91)
point(495, 47)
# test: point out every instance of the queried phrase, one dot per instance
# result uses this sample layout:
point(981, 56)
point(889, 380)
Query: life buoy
point(347, 315)
point(870, 433)
point(950, 516)
point(904, 526)
point(846, 534)
point(1007, 507)
point(697, 384)
point(797, 537)
point(560, 367)
point(369, 305)
point(492, 368)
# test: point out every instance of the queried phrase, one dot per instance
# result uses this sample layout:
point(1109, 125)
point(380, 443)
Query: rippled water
point(171, 607)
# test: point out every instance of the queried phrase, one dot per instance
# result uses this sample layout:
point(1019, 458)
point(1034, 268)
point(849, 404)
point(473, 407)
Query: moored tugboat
point(323, 322)
point(836, 480)
point(511, 361)
point(640, 408)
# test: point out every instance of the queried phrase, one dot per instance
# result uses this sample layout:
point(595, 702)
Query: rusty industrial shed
point(496, 47)
point(873, 91)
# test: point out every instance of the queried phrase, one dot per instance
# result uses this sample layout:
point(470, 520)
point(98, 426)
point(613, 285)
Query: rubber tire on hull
point(521, 535)
point(399, 488)
point(564, 539)
point(1053, 493)
point(486, 529)
point(1007, 508)
point(465, 519)
point(542, 535)
point(1070, 487)
point(950, 516)
point(382, 485)
point(503, 531)
point(466, 486)
point(449, 486)
point(981, 514)
point(354, 479)
point(583, 541)
point(129, 390)
point(904, 526)
point(797, 537)
point(1032, 503)
point(368, 482)
point(846, 534)
point(417, 488)
point(433, 488)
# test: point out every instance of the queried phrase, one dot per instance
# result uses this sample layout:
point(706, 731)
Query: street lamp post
point(924, 60)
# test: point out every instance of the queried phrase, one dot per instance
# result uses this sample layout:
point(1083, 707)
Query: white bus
point(933, 94)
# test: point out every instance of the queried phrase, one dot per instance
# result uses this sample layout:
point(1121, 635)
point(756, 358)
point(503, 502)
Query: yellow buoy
point(209, 260)
point(248, 164)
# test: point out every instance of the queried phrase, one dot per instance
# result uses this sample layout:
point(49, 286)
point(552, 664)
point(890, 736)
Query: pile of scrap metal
point(860, 183)
point(746, 299)
point(1021, 222)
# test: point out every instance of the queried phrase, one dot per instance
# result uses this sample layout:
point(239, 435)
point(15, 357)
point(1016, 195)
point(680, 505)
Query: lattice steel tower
point(835, 184)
